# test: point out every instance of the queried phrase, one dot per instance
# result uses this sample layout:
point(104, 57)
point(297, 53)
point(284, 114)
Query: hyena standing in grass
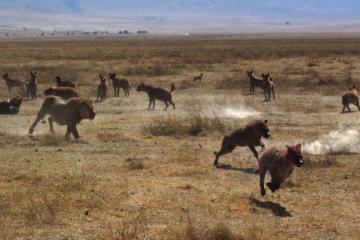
point(350, 97)
point(198, 78)
point(31, 86)
point(155, 93)
point(269, 87)
point(120, 83)
point(102, 89)
point(254, 82)
point(11, 83)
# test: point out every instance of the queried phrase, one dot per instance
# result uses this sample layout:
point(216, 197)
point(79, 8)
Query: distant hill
point(186, 15)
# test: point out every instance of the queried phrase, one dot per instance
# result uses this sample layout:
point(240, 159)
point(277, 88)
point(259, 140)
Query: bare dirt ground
point(140, 174)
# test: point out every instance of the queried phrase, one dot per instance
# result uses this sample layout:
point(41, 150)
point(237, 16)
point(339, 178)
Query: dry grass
point(193, 125)
point(140, 174)
point(320, 161)
point(217, 232)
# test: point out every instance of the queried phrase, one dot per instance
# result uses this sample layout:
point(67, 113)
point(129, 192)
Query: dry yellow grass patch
point(140, 174)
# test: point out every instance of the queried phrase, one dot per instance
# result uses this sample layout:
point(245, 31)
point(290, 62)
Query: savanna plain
point(138, 174)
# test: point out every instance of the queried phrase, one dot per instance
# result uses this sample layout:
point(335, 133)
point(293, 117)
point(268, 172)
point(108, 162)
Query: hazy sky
point(184, 15)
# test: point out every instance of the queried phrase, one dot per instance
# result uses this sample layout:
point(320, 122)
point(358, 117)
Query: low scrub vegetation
point(192, 125)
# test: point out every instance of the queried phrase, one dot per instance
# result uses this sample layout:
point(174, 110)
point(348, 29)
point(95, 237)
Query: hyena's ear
point(266, 121)
point(298, 146)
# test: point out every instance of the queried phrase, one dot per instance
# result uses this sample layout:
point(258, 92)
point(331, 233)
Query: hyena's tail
point(172, 88)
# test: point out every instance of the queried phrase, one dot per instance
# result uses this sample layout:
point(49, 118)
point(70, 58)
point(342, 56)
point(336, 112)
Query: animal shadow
point(230, 167)
point(276, 208)
point(347, 112)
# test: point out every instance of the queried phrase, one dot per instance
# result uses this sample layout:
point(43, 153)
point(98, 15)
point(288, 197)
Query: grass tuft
point(192, 125)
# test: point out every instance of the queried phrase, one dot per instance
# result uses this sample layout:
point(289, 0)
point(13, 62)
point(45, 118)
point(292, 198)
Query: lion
point(159, 94)
point(12, 83)
point(249, 136)
point(198, 78)
point(280, 164)
point(254, 82)
point(120, 83)
point(269, 87)
point(63, 92)
point(31, 86)
point(64, 83)
point(11, 106)
point(69, 113)
point(350, 97)
point(102, 89)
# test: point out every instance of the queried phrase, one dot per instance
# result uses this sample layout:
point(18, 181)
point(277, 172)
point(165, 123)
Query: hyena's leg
point(166, 105)
point(262, 171)
point(172, 103)
point(273, 92)
point(102, 95)
point(67, 134)
point(348, 108)
point(357, 104)
point(258, 142)
point(31, 93)
point(153, 108)
point(274, 184)
point(343, 110)
point(51, 125)
point(265, 93)
point(114, 91)
point(226, 147)
point(150, 101)
point(75, 132)
point(71, 129)
point(251, 87)
point(252, 148)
